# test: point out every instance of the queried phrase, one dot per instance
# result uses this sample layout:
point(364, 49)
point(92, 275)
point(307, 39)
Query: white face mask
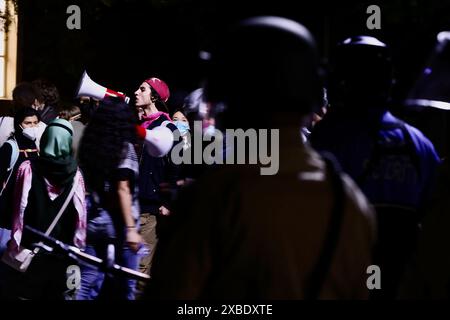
point(30, 133)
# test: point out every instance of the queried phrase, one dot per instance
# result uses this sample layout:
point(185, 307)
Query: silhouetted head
point(262, 66)
point(25, 95)
point(49, 92)
point(362, 73)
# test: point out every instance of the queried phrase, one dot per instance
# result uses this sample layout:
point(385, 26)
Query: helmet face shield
point(432, 89)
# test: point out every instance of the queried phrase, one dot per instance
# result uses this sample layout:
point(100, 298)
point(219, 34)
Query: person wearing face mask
point(25, 95)
point(183, 126)
point(20, 146)
point(41, 190)
point(180, 120)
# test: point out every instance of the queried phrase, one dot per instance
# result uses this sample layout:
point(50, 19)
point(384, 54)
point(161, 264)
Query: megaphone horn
point(89, 88)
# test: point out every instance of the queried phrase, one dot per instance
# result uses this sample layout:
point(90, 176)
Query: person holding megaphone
point(155, 166)
point(156, 130)
point(158, 139)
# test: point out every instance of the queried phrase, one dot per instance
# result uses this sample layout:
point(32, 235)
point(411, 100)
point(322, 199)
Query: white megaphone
point(89, 88)
point(158, 141)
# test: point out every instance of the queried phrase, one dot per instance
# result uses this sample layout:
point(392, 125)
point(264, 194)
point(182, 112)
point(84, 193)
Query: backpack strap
point(14, 153)
point(323, 264)
point(165, 123)
point(65, 204)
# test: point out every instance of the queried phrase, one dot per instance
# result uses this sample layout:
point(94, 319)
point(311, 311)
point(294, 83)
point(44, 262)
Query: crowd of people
point(355, 188)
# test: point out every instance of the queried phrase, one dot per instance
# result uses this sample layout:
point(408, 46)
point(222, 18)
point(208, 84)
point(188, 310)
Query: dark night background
point(123, 42)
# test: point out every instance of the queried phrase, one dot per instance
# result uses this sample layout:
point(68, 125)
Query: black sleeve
point(5, 158)
point(125, 174)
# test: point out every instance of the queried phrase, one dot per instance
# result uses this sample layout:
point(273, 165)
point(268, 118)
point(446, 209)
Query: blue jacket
point(393, 162)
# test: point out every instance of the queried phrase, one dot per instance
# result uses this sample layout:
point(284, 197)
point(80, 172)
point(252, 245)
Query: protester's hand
point(164, 211)
point(134, 239)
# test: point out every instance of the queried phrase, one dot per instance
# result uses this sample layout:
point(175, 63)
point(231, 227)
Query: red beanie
point(160, 87)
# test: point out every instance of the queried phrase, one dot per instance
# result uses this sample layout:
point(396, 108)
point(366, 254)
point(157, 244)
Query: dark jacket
point(152, 172)
point(5, 157)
